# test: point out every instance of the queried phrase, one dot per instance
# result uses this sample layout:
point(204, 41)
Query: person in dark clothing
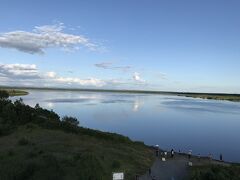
point(149, 171)
point(157, 150)
point(172, 153)
point(189, 154)
point(221, 157)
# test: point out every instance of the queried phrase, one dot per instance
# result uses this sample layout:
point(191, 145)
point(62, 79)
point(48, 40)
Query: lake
point(181, 123)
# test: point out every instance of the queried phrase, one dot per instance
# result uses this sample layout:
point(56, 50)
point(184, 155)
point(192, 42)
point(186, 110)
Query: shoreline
point(208, 96)
point(23, 93)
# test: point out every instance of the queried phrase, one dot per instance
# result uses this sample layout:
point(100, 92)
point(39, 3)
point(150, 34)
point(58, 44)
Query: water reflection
point(205, 126)
point(116, 101)
point(137, 105)
point(68, 100)
point(203, 105)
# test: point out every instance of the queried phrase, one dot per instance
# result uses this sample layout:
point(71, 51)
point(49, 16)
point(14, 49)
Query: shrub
point(70, 120)
point(23, 142)
point(116, 164)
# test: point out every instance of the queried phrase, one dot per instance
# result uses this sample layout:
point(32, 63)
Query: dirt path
point(176, 168)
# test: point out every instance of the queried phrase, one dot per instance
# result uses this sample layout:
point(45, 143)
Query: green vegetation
point(36, 144)
point(226, 97)
point(216, 172)
point(14, 92)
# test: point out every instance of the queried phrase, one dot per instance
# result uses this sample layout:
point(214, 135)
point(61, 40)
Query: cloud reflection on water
point(211, 106)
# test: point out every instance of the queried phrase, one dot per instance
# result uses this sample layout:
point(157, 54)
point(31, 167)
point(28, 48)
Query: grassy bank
point(225, 97)
point(33, 152)
point(215, 172)
point(36, 144)
point(15, 92)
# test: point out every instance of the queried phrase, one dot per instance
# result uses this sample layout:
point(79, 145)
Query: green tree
point(37, 106)
point(70, 120)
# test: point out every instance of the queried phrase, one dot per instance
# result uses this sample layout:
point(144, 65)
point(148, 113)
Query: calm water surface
point(204, 126)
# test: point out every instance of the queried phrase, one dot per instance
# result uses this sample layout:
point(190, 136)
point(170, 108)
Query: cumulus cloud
point(43, 37)
point(51, 74)
point(83, 82)
point(19, 71)
point(109, 65)
point(28, 74)
point(136, 77)
point(53, 77)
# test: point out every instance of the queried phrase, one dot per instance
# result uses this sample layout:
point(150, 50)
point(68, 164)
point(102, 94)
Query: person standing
point(137, 177)
point(189, 154)
point(172, 153)
point(157, 150)
point(199, 156)
point(221, 157)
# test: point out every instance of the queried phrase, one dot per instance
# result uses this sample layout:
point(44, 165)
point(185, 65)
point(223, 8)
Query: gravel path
point(176, 168)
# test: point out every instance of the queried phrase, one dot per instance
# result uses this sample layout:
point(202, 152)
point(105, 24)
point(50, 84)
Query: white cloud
point(29, 74)
point(19, 71)
point(51, 74)
point(83, 82)
point(104, 65)
point(43, 37)
point(109, 65)
point(136, 77)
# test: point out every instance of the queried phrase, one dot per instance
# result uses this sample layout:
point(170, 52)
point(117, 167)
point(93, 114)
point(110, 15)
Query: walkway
point(176, 168)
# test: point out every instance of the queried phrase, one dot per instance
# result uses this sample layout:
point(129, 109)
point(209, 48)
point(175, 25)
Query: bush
point(216, 172)
point(116, 164)
point(70, 120)
point(23, 142)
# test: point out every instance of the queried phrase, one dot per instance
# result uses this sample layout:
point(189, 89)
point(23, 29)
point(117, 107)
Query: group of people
point(172, 152)
point(199, 156)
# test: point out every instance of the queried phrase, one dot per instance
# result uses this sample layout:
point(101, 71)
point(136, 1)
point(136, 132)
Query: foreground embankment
point(36, 144)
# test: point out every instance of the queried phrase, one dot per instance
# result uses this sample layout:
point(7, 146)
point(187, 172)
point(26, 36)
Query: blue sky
point(150, 44)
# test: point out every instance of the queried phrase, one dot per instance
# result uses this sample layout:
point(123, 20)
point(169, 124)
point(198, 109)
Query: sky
point(161, 45)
